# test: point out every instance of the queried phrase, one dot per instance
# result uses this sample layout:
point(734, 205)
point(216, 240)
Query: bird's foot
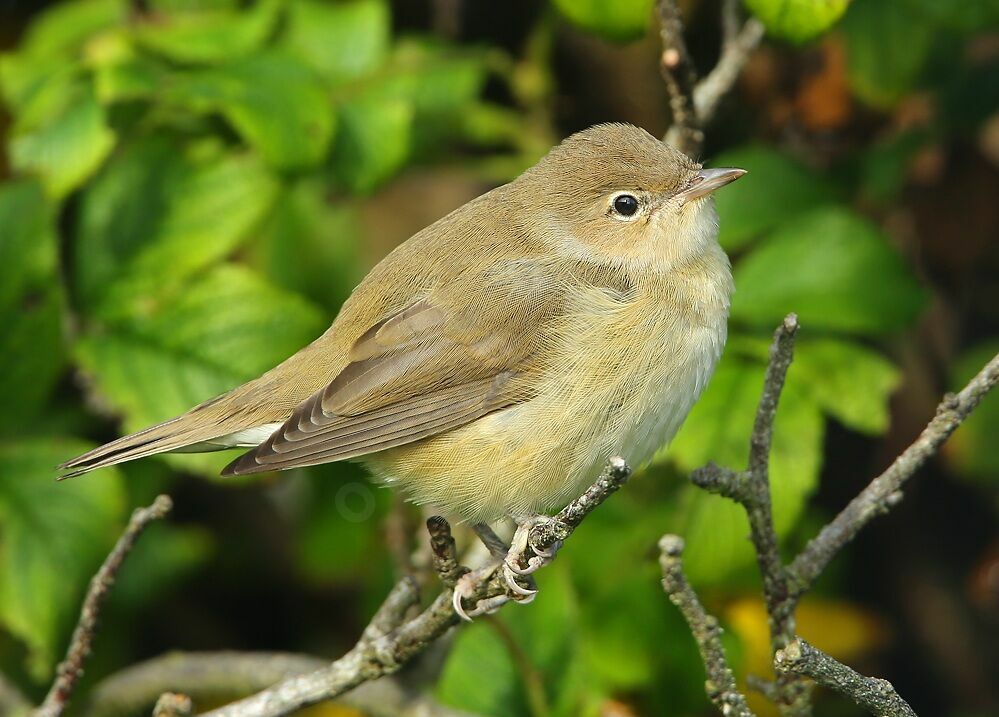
point(526, 555)
point(470, 584)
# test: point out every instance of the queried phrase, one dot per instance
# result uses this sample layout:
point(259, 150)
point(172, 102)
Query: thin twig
point(876, 695)
point(884, 492)
point(71, 668)
point(751, 488)
point(680, 77)
point(720, 685)
point(692, 102)
point(716, 84)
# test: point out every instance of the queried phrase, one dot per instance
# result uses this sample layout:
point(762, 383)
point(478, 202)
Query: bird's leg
point(525, 557)
point(469, 582)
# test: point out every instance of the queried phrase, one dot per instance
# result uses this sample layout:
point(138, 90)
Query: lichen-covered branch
point(720, 684)
point(876, 695)
point(692, 102)
point(783, 586)
point(751, 488)
point(393, 638)
point(71, 668)
point(884, 491)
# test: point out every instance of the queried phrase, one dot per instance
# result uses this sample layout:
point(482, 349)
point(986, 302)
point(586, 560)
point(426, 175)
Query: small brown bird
point(494, 361)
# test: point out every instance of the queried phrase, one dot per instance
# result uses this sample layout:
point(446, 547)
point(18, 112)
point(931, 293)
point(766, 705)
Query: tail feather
point(168, 436)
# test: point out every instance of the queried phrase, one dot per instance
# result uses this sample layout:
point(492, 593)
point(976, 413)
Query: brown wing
point(422, 371)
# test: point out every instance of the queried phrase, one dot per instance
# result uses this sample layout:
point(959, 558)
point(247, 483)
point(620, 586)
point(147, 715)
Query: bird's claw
point(517, 560)
point(468, 584)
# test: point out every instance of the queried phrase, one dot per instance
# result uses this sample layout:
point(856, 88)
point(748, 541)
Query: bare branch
point(680, 77)
point(694, 102)
point(751, 488)
point(71, 668)
point(389, 642)
point(709, 92)
point(877, 696)
point(720, 685)
point(884, 492)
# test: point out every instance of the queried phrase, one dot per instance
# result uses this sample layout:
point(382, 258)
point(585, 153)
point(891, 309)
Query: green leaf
point(797, 20)
point(210, 35)
point(273, 101)
point(156, 217)
point(342, 41)
point(718, 429)
point(27, 242)
point(310, 244)
point(30, 305)
point(973, 448)
point(66, 150)
point(835, 269)
point(887, 45)
point(776, 189)
point(965, 17)
point(373, 143)
point(222, 330)
point(65, 26)
point(479, 651)
point(619, 20)
point(54, 537)
point(848, 381)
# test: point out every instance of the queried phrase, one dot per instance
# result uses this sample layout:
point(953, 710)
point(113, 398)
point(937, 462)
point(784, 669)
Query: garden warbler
point(492, 363)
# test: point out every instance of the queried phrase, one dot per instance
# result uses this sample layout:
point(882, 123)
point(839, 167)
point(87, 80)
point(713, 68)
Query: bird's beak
point(707, 181)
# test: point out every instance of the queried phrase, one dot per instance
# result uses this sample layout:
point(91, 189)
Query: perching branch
point(883, 493)
point(393, 638)
point(877, 696)
point(694, 102)
point(720, 685)
point(71, 668)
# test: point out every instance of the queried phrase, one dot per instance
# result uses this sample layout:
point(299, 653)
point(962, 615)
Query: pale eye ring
point(625, 205)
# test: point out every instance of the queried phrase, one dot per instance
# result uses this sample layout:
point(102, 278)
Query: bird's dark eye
point(625, 205)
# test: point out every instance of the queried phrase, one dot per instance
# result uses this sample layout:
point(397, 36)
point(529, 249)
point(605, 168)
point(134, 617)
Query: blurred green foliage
point(181, 216)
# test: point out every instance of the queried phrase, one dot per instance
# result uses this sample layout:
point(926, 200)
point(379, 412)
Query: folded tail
point(181, 434)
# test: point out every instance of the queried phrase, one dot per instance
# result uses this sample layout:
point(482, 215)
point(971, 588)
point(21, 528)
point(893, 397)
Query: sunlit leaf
point(66, 25)
point(65, 151)
point(887, 45)
point(226, 328)
point(208, 34)
point(310, 244)
point(373, 142)
point(155, 218)
point(273, 101)
point(342, 40)
point(797, 20)
point(848, 381)
point(832, 267)
point(54, 536)
point(776, 189)
point(619, 20)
